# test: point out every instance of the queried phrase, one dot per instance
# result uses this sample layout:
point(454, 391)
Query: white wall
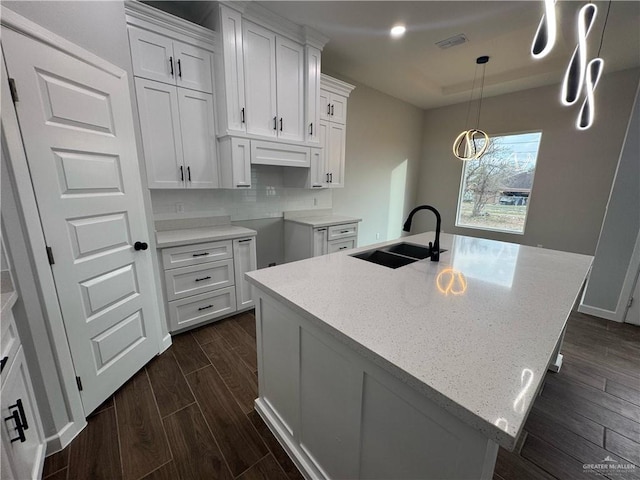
point(384, 138)
point(574, 170)
point(619, 231)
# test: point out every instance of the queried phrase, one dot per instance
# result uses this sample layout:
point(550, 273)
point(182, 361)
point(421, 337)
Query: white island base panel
point(338, 415)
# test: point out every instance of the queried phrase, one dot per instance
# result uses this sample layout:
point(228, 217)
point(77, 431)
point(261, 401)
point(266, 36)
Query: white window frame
point(461, 189)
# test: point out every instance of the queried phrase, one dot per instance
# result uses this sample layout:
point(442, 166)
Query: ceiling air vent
point(452, 41)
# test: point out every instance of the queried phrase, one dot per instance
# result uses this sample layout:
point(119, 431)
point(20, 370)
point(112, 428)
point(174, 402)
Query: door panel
point(336, 152)
point(231, 30)
point(152, 56)
point(290, 89)
point(193, 67)
point(244, 259)
point(86, 180)
point(313, 93)
point(260, 79)
point(338, 108)
point(325, 107)
point(198, 138)
point(161, 136)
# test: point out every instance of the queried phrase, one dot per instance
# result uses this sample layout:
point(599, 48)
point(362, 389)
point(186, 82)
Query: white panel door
point(323, 136)
point(290, 89)
point(152, 56)
point(312, 82)
point(338, 109)
point(260, 80)
point(231, 29)
point(325, 106)
point(318, 171)
point(198, 138)
point(336, 154)
point(241, 162)
point(193, 67)
point(77, 130)
point(244, 259)
point(161, 136)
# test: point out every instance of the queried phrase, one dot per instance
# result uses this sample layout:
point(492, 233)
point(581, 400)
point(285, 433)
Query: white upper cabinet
point(163, 59)
point(259, 46)
point(333, 107)
point(312, 86)
point(274, 84)
point(229, 70)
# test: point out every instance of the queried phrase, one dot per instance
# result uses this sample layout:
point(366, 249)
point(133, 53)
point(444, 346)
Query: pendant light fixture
point(545, 37)
point(464, 146)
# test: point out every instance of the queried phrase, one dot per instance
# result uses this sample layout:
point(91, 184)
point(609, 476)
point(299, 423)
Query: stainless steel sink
point(396, 255)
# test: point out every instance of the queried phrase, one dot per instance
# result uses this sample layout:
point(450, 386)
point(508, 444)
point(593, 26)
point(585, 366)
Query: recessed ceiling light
point(398, 31)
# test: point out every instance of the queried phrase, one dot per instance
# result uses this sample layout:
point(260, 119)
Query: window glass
point(496, 188)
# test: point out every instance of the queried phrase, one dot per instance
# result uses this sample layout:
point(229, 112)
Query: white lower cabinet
point(303, 240)
point(23, 442)
point(205, 281)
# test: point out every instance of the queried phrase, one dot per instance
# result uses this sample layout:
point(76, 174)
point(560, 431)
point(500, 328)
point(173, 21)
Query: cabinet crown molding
point(335, 86)
point(150, 18)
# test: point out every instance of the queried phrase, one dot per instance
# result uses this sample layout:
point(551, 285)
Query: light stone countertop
point(187, 236)
point(480, 352)
point(323, 220)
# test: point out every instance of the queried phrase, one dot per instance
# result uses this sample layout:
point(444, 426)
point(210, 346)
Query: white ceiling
point(414, 69)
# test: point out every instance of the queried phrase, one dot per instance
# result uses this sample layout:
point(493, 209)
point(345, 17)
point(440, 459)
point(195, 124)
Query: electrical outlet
point(179, 207)
point(315, 202)
point(377, 236)
point(540, 245)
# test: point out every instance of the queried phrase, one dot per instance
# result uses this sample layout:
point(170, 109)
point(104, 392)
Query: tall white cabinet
point(173, 69)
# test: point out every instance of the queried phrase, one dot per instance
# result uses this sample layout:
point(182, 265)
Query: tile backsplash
point(268, 197)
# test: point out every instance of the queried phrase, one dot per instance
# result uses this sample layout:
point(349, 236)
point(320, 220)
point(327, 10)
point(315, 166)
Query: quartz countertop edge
point(324, 220)
point(187, 236)
point(463, 395)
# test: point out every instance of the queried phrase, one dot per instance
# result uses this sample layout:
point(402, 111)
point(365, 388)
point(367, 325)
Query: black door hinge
point(14, 90)
point(79, 382)
point(50, 256)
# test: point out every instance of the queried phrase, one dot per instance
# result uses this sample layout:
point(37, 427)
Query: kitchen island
point(416, 372)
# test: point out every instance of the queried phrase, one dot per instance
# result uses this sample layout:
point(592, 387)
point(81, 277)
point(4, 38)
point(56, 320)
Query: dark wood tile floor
point(189, 413)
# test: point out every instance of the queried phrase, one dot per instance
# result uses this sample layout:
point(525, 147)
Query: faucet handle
point(431, 246)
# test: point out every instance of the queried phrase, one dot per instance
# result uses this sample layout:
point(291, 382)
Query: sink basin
point(386, 259)
point(409, 250)
point(396, 255)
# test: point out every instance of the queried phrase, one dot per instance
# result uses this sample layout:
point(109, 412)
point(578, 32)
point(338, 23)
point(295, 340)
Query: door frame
point(35, 239)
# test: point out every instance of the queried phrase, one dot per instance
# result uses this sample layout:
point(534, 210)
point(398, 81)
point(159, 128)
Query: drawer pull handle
point(19, 420)
point(244, 240)
point(3, 363)
point(203, 278)
point(205, 308)
point(243, 186)
point(200, 254)
point(342, 248)
point(345, 231)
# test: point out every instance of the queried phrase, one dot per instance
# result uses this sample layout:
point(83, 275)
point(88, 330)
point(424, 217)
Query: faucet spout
point(435, 250)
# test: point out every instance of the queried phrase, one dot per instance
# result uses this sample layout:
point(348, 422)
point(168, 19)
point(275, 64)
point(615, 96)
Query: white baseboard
point(599, 312)
point(57, 442)
point(165, 343)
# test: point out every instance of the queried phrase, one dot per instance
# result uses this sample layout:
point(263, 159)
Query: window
point(495, 188)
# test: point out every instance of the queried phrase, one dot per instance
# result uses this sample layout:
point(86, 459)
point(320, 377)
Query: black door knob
point(140, 246)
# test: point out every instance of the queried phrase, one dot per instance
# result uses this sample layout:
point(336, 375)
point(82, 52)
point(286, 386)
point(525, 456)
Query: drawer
point(191, 311)
point(9, 342)
point(185, 281)
point(337, 232)
point(339, 245)
point(197, 253)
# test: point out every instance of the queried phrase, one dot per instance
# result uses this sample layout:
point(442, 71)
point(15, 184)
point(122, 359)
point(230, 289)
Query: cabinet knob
point(140, 246)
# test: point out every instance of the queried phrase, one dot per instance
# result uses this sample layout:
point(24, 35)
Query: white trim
point(16, 22)
point(629, 282)
point(36, 243)
point(154, 20)
point(598, 312)
point(335, 86)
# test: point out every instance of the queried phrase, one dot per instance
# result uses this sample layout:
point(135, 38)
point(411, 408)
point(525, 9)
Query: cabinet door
point(336, 154)
point(259, 46)
point(244, 259)
point(319, 241)
point(161, 138)
point(233, 66)
point(290, 89)
point(198, 139)
point(152, 56)
point(241, 162)
point(338, 246)
point(338, 109)
point(325, 106)
point(193, 67)
point(312, 83)
point(318, 171)
point(17, 396)
point(323, 136)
